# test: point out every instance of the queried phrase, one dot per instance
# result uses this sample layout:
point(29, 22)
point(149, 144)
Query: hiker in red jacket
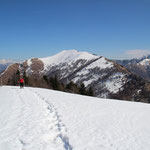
point(21, 81)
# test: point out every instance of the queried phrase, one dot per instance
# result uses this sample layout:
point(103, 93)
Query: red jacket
point(21, 80)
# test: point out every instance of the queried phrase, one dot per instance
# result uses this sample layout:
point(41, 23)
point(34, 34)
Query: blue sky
point(39, 28)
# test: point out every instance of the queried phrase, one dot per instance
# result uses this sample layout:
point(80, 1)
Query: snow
point(29, 69)
point(86, 82)
point(29, 122)
point(76, 79)
point(102, 63)
point(84, 71)
point(41, 119)
point(66, 56)
point(115, 82)
point(29, 62)
point(145, 62)
point(93, 78)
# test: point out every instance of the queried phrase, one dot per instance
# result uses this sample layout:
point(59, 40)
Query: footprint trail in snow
point(30, 120)
point(40, 126)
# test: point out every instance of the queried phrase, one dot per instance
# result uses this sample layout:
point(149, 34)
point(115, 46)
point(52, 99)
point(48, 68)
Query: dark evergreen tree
point(62, 87)
point(72, 87)
point(18, 73)
point(51, 82)
point(26, 79)
point(54, 83)
point(9, 81)
point(82, 89)
point(90, 92)
point(15, 78)
point(45, 79)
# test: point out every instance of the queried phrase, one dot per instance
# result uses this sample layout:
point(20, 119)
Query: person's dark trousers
point(21, 85)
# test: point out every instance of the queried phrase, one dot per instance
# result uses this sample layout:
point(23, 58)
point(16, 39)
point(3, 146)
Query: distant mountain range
point(108, 78)
point(4, 64)
point(140, 67)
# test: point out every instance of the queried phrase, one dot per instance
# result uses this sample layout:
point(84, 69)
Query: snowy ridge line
point(66, 56)
point(61, 127)
point(80, 68)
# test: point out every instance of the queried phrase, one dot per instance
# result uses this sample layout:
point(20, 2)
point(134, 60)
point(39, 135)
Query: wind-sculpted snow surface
point(40, 119)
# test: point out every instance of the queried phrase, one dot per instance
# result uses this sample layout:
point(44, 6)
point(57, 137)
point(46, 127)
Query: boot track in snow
point(40, 125)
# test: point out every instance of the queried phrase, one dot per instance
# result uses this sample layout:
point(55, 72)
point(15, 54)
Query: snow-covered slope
point(145, 62)
point(66, 56)
point(107, 78)
point(97, 72)
point(86, 68)
point(40, 119)
point(67, 61)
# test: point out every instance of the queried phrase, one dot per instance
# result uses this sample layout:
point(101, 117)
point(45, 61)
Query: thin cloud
point(137, 53)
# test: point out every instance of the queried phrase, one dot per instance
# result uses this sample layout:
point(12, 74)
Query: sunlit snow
point(66, 56)
point(41, 119)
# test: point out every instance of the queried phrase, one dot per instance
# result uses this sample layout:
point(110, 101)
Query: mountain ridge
point(107, 78)
point(140, 66)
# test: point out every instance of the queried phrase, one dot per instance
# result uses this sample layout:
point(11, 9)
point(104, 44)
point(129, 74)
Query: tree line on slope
point(51, 83)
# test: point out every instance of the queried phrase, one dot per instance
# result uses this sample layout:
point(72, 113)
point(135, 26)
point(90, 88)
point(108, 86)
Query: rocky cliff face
point(9, 73)
point(107, 78)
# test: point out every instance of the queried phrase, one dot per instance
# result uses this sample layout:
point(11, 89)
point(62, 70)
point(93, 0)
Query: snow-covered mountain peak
point(107, 78)
point(67, 56)
point(145, 62)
